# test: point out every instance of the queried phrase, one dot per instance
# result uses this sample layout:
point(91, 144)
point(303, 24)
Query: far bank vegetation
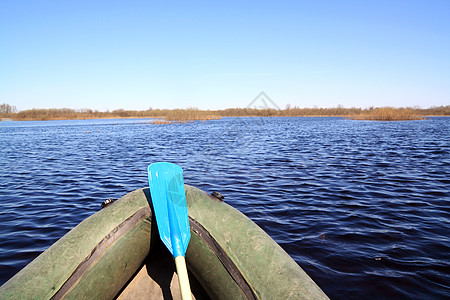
point(388, 114)
point(192, 114)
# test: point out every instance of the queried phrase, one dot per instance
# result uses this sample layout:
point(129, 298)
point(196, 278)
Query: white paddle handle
point(183, 279)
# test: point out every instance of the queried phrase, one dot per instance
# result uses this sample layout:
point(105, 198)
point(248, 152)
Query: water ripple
point(363, 207)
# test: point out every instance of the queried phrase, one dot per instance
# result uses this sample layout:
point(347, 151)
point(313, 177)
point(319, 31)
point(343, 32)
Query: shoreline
point(162, 120)
point(193, 114)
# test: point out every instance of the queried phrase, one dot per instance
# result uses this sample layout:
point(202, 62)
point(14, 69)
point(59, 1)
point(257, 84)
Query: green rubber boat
point(117, 254)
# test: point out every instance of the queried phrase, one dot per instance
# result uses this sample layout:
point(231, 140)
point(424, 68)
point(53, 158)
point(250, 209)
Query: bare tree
point(7, 109)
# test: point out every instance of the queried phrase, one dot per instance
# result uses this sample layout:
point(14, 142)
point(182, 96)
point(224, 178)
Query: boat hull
point(229, 257)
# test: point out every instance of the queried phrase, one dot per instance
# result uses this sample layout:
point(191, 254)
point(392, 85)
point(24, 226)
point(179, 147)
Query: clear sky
point(108, 55)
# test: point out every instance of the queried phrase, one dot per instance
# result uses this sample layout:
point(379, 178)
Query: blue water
point(363, 207)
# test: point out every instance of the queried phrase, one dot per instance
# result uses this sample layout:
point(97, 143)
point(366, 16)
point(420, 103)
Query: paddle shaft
point(183, 279)
point(178, 253)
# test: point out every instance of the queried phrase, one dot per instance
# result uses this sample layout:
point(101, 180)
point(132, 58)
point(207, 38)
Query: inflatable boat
point(117, 254)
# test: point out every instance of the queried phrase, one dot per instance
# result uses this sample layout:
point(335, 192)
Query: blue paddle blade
point(169, 205)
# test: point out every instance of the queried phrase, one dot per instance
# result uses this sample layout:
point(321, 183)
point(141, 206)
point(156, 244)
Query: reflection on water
point(362, 206)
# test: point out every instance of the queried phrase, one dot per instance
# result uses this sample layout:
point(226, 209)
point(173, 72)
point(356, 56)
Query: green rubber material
point(96, 258)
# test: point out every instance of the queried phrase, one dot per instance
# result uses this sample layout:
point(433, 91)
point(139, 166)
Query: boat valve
point(217, 195)
point(108, 202)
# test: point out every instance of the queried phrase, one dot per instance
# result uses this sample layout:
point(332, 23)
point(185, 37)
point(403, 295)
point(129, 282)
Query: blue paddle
point(170, 208)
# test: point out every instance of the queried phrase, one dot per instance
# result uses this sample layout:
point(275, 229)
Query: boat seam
point(224, 258)
point(100, 248)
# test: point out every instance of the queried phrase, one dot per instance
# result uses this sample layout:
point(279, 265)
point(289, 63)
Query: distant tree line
point(7, 109)
point(373, 113)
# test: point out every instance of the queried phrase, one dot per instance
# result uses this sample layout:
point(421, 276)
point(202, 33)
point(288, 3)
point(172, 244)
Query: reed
point(191, 114)
point(387, 114)
point(161, 122)
point(194, 114)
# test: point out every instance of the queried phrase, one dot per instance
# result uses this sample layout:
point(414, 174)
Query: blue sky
point(108, 55)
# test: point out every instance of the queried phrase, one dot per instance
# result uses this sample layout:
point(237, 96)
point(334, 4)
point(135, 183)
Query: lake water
point(363, 207)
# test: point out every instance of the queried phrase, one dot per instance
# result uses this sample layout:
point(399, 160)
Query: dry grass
point(160, 122)
point(388, 114)
point(193, 114)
